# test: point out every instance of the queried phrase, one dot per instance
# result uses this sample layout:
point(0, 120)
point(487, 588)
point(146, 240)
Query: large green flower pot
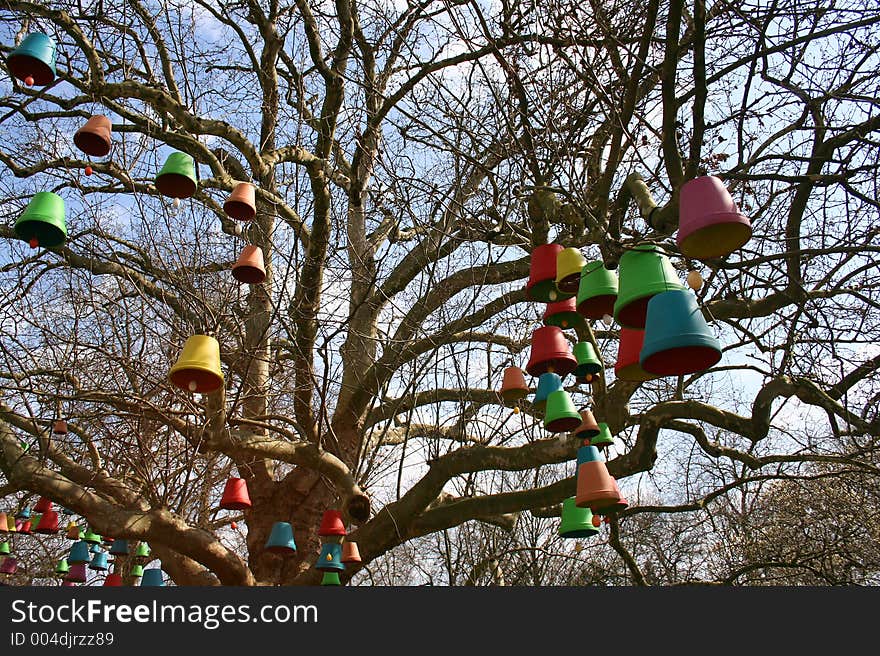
point(645, 271)
point(43, 222)
point(177, 179)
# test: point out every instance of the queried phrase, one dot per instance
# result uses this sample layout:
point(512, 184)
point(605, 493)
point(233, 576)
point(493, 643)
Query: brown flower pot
point(94, 137)
point(250, 267)
point(241, 203)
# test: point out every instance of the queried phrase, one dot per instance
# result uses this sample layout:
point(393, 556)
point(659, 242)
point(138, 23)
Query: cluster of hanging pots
point(43, 222)
point(336, 551)
point(662, 332)
point(88, 551)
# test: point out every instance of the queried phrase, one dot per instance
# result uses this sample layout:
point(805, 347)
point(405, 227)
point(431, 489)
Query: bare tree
point(407, 159)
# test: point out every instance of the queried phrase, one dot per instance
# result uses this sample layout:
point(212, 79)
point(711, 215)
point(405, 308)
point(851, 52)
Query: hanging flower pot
point(153, 577)
point(569, 264)
point(79, 553)
point(93, 138)
point(513, 386)
point(576, 522)
point(241, 203)
point(678, 340)
point(629, 348)
point(42, 505)
point(281, 539)
point(597, 291)
point(9, 565)
point(43, 221)
point(602, 440)
point(561, 416)
point(589, 364)
point(48, 524)
point(198, 367)
point(710, 223)
point(644, 272)
point(330, 558)
point(588, 426)
point(33, 61)
point(562, 314)
point(250, 267)
point(541, 286)
point(235, 495)
point(547, 383)
point(331, 578)
point(550, 352)
point(177, 178)
point(142, 552)
point(595, 486)
point(331, 524)
point(350, 552)
point(119, 548)
point(113, 579)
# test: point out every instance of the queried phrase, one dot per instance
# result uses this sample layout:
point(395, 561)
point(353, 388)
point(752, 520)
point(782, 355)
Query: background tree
point(407, 158)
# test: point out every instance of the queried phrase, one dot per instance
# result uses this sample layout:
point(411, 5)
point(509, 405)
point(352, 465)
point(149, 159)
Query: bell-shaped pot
point(644, 272)
point(99, 562)
point(119, 547)
point(94, 137)
point(588, 363)
point(198, 367)
point(48, 524)
point(113, 580)
point(350, 552)
point(513, 386)
point(250, 267)
point(597, 291)
point(43, 222)
point(547, 383)
point(5, 549)
point(569, 264)
point(153, 577)
point(629, 349)
point(550, 352)
point(677, 338)
point(241, 203)
point(562, 314)
point(330, 578)
point(710, 223)
point(42, 505)
point(281, 539)
point(588, 426)
point(561, 416)
point(79, 553)
point(602, 440)
point(62, 567)
point(177, 178)
point(576, 522)
point(91, 537)
point(541, 286)
point(331, 524)
point(77, 573)
point(33, 61)
point(595, 486)
point(143, 552)
point(330, 558)
point(235, 495)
